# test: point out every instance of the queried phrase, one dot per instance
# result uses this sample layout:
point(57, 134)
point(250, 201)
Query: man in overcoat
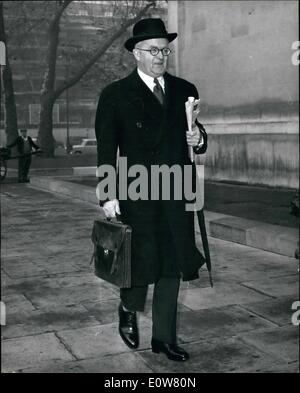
point(24, 145)
point(143, 117)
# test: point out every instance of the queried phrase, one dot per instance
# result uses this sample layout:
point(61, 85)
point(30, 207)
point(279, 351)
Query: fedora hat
point(147, 29)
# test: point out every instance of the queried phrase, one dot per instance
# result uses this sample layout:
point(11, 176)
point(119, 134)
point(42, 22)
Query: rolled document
point(190, 106)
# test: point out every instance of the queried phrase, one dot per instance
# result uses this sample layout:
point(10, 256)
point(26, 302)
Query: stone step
point(274, 238)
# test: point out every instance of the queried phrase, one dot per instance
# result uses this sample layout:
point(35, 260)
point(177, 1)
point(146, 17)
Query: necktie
point(158, 91)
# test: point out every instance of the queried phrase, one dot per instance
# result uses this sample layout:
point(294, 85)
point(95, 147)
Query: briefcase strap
point(115, 251)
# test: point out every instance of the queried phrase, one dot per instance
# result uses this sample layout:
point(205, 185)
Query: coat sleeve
point(33, 144)
point(202, 149)
point(106, 129)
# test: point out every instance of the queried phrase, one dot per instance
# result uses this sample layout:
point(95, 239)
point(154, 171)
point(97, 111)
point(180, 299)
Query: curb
point(66, 171)
point(274, 238)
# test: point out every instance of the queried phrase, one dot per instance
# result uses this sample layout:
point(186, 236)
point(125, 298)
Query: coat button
point(139, 125)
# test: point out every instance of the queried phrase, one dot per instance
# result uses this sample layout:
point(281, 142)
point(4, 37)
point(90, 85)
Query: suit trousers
point(23, 168)
point(164, 306)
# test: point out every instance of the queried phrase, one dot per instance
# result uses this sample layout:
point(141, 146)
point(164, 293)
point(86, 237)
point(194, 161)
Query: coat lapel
point(144, 102)
point(139, 91)
point(169, 110)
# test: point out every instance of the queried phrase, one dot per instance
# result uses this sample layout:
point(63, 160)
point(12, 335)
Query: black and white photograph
point(149, 178)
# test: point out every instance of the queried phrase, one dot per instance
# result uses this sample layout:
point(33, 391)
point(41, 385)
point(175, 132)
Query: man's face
point(154, 66)
point(24, 134)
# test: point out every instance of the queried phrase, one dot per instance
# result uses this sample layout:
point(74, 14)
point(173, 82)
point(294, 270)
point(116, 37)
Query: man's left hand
point(193, 137)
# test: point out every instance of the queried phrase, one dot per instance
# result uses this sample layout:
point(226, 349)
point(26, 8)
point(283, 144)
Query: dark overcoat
point(19, 142)
point(130, 117)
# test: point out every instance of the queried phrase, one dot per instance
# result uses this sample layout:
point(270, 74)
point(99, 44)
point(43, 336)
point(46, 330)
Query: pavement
point(61, 318)
point(60, 161)
point(254, 216)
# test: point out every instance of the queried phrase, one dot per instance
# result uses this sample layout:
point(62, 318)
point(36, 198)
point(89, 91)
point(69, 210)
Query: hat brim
point(131, 42)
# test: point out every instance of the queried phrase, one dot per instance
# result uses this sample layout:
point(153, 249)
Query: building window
point(34, 113)
point(108, 14)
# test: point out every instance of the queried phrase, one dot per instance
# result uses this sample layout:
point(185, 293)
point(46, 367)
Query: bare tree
point(50, 92)
point(17, 21)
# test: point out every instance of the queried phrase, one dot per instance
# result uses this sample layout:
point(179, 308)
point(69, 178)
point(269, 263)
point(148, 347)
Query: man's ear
point(136, 54)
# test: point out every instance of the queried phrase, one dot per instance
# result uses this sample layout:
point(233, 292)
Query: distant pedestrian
point(24, 145)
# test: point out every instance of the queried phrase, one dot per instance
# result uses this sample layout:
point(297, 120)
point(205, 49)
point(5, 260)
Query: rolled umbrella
point(192, 110)
point(201, 220)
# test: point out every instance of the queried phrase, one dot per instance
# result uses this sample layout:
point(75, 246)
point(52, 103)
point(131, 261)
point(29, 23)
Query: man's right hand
point(111, 208)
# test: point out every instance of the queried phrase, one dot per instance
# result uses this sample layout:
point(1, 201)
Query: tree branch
point(53, 34)
point(62, 7)
point(73, 80)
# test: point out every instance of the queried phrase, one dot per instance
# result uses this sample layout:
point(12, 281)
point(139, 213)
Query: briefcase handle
point(117, 218)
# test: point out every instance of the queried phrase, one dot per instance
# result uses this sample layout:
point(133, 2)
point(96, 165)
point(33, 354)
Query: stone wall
point(238, 54)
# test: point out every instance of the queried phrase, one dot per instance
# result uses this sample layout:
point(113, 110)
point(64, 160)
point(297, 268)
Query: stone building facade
point(241, 56)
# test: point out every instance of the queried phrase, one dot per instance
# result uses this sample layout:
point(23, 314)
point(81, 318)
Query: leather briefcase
point(112, 252)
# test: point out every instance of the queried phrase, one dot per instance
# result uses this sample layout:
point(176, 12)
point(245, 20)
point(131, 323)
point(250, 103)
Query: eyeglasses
point(155, 51)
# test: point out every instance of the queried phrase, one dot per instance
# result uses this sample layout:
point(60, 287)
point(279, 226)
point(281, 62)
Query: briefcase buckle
point(106, 252)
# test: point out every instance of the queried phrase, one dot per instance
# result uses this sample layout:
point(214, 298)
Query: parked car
point(87, 146)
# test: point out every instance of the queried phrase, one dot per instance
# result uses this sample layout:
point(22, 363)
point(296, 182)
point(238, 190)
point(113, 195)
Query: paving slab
point(43, 321)
point(16, 302)
point(22, 269)
point(31, 350)
point(218, 296)
point(55, 265)
point(249, 266)
point(42, 298)
point(75, 279)
point(56, 185)
point(29, 253)
point(32, 284)
point(213, 356)
point(284, 368)
point(5, 280)
point(17, 221)
point(102, 339)
point(237, 263)
point(105, 312)
point(277, 286)
point(278, 310)
point(225, 322)
point(14, 254)
point(121, 363)
point(280, 342)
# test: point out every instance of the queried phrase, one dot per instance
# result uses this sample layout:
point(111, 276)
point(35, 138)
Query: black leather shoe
point(128, 327)
point(172, 351)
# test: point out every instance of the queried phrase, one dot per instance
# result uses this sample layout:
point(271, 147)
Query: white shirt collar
point(149, 80)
